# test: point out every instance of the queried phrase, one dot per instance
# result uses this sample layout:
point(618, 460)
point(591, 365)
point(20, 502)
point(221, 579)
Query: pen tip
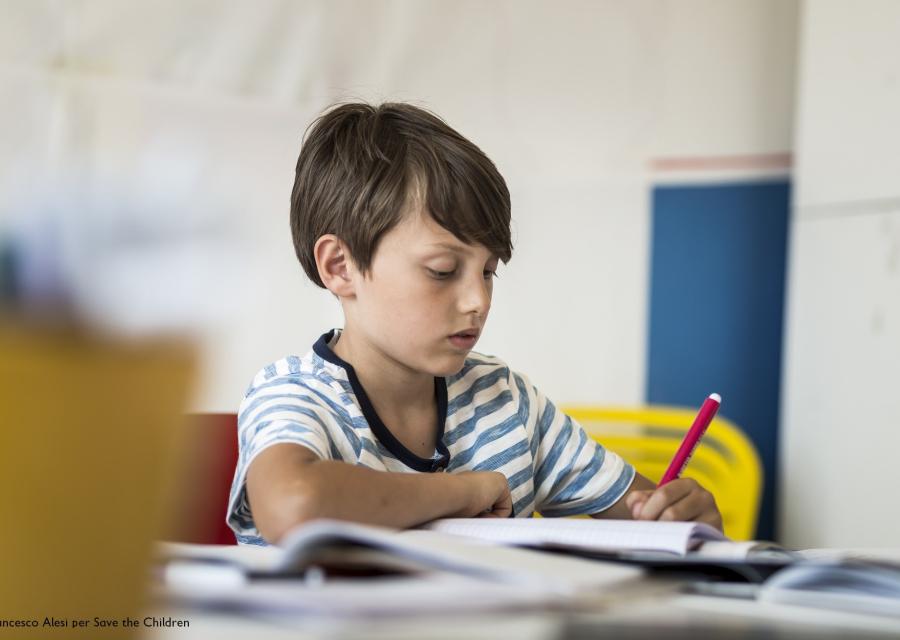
point(716, 397)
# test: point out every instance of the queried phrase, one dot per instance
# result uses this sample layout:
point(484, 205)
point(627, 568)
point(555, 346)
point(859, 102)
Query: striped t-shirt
point(489, 418)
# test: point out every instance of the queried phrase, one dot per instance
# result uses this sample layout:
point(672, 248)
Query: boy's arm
point(680, 499)
point(287, 484)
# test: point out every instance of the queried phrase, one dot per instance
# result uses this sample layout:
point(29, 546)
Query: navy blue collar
point(384, 435)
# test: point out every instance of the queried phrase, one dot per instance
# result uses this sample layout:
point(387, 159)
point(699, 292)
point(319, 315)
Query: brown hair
point(360, 166)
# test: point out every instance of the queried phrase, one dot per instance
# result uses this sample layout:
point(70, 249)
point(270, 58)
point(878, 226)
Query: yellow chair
point(725, 463)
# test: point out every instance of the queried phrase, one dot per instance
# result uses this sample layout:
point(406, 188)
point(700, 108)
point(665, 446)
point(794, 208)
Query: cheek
point(407, 304)
point(426, 310)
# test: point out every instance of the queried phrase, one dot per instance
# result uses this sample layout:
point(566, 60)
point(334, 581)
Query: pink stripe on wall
point(763, 161)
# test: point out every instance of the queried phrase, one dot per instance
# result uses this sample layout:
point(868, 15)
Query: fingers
point(498, 501)
point(663, 497)
point(502, 508)
point(681, 499)
point(635, 502)
point(503, 504)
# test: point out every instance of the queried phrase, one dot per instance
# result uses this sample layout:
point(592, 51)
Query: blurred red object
point(205, 480)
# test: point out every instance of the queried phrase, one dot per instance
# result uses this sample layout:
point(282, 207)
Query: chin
point(449, 366)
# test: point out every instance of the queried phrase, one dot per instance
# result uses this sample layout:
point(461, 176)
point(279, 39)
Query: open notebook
point(680, 539)
point(682, 548)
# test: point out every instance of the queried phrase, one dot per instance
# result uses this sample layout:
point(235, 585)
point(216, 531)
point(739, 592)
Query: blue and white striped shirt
point(489, 419)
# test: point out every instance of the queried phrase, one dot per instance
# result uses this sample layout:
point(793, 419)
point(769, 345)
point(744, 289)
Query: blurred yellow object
point(725, 462)
point(88, 440)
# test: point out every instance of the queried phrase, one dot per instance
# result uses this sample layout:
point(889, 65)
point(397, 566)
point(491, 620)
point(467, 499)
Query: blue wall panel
point(717, 307)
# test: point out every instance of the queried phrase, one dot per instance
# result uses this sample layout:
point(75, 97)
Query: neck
point(389, 384)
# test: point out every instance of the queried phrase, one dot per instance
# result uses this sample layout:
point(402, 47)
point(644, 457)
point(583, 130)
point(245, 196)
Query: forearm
point(349, 492)
point(287, 485)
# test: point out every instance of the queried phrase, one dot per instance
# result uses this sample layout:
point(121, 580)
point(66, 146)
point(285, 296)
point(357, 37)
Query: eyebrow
point(456, 248)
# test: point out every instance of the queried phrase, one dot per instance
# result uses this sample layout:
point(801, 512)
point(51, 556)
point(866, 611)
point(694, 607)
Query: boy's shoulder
point(309, 370)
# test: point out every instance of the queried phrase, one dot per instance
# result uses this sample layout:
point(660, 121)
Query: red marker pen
point(692, 438)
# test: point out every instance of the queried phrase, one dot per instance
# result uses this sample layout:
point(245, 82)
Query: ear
point(336, 268)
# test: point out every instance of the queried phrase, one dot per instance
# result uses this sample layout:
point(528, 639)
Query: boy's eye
point(488, 274)
point(440, 275)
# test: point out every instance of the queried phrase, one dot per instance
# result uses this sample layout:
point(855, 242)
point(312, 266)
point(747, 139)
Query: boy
point(405, 222)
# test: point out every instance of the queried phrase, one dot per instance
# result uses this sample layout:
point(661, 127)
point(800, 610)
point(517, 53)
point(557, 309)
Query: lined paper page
point(585, 534)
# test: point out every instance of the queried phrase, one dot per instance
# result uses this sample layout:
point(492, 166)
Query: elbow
point(276, 515)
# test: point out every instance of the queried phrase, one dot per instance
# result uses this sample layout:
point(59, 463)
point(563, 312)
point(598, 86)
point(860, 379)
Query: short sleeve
point(573, 474)
point(266, 419)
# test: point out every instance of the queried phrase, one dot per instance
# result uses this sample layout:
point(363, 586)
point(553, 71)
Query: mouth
point(468, 333)
point(464, 340)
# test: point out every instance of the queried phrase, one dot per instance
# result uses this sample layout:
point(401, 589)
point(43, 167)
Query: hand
point(488, 495)
point(680, 499)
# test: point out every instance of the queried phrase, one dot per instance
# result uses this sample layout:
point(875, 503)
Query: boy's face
point(425, 298)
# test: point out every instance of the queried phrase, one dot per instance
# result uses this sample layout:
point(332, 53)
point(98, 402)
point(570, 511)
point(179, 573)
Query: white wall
point(841, 411)
point(571, 99)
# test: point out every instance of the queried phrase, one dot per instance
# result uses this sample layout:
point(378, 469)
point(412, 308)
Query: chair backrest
point(725, 462)
point(206, 480)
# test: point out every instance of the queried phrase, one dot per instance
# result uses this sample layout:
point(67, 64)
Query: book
point(413, 550)
point(331, 566)
point(678, 539)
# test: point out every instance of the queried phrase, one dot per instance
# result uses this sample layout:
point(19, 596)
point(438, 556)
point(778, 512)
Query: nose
point(475, 296)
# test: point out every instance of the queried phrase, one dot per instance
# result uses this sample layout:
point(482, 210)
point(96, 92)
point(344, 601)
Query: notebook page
point(583, 534)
